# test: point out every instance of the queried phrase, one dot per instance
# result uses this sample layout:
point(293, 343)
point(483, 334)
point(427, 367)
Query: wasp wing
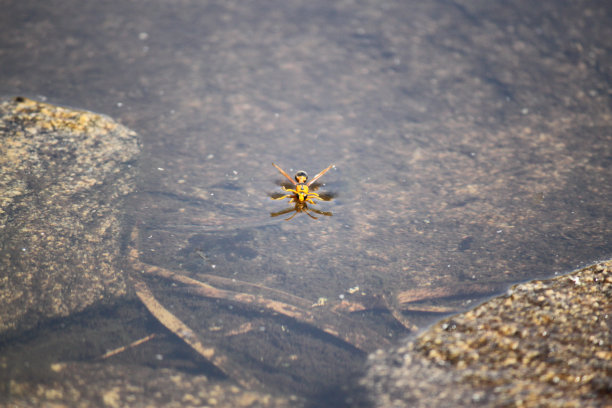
point(276, 196)
point(327, 195)
point(285, 174)
point(284, 183)
point(315, 178)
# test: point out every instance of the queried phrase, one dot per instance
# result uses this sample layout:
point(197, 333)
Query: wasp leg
point(281, 197)
point(310, 215)
point(287, 219)
point(289, 190)
point(326, 213)
point(283, 212)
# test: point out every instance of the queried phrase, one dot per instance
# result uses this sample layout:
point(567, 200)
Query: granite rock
point(543, 343)
point(64, 174)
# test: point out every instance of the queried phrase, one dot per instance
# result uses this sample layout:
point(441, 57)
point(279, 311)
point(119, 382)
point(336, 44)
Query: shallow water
point(471, 145)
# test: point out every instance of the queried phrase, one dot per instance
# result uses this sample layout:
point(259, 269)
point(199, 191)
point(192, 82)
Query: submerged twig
point(121, 349)
point(406, 297)
point(331, 323)
point(328, 321)
point(397, 315)
point(186, 334)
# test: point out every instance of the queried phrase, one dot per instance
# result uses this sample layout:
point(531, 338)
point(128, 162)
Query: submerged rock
point(63, 176)
point(544, 343)
point(96, 384)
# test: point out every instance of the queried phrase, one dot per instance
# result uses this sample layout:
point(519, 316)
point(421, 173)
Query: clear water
point(456, 172)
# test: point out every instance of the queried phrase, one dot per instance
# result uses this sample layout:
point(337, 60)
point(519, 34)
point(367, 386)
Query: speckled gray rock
point(544, 343)
point(63, 175)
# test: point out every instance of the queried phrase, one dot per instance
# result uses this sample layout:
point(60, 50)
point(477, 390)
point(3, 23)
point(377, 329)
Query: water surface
point(471, 145)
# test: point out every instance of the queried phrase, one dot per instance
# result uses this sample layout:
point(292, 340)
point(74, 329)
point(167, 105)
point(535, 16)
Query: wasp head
point(301, 176)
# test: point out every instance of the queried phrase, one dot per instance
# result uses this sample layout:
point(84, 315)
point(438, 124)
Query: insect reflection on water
point(301, 192)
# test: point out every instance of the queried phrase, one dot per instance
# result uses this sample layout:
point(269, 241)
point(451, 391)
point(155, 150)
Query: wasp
point(302, 193)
